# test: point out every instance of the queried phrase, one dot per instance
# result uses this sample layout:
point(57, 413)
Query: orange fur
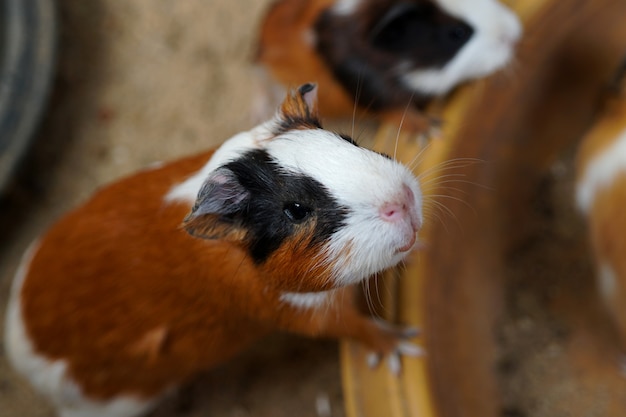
point(284, 50)
point(607, 213)
point(295, 107)
point(135, 305)
point(607, 225)
point(151, 344)
point(297, 258)
point(604, 132)
point(193, 290)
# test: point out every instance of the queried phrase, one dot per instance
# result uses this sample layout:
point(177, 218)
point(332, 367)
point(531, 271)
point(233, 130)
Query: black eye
point(296, 212)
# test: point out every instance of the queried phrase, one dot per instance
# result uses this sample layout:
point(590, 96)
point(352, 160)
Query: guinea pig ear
point(299, 109)
point(213, 215)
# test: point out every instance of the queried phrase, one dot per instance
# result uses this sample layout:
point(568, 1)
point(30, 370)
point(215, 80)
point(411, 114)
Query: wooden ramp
point(504, 134)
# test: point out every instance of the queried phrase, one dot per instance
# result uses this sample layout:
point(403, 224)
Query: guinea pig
point(178, 268)
point(385, 58)
point(601, 197)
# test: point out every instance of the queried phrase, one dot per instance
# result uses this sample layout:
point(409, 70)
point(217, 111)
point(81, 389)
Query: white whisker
point(404, 113)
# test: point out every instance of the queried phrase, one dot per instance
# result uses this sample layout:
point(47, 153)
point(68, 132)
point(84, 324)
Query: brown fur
point(607, 216)
point(604, 133)
point(135, 305)
point(294, 107)
point(284, 51)
point(297, 258)
point(607, 224)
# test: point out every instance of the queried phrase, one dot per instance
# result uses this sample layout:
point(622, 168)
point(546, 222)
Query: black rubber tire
point(28, 38)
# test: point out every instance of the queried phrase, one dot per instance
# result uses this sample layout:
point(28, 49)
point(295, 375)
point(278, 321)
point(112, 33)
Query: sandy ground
point(558, 354)
point(140, 82)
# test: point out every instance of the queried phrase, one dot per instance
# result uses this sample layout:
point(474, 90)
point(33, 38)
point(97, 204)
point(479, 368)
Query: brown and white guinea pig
point(385, 55)
point(601, 196)
point(176, 269)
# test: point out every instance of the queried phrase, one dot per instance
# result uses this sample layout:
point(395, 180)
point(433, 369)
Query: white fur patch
point(233, 148)
point(306, 300)
point(345, 7)
point(496, 31)
point(50, 377)
point(361, 180)
point(600, 172)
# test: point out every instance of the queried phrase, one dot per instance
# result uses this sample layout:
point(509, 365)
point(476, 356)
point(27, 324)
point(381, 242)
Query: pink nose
point(393, 212)
point(400, 209)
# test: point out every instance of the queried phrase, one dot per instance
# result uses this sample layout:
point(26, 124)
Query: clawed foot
point(400, 347)
point(393, 358)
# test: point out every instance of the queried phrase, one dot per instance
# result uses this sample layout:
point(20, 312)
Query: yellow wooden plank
point(375, 393)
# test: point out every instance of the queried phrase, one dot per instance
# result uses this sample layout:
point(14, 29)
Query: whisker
point(436, 182)
point(379, 300)
point(447, 177)
point(367, 291)
point(453, 163)
point(362, 131)
point(404, 113)
point(460, 200)
point(444, 209)
point(356, 100)
point(437, 215)
point(414, 163)
point(439, 169)
point(451, 190)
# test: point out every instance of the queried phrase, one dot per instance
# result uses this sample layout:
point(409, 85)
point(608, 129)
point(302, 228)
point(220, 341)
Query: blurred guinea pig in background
point(601, 196)
point(382, 58)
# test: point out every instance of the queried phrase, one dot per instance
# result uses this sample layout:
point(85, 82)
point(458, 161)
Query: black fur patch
point(364, 49)
point(288, 123)
point(271, 189)
point(349, 139)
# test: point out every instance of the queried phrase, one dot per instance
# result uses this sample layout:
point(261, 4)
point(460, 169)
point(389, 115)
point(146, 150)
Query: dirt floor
point(558, 352)
point(140, 82)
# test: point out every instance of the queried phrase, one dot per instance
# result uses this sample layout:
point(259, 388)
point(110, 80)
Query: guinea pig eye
point(296, 212)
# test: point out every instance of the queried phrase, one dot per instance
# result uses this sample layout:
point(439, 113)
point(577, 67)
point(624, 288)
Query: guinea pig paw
point(400, 347)
point(403, 349)
point(373, 359)
point(394, 362)
point(401, 332)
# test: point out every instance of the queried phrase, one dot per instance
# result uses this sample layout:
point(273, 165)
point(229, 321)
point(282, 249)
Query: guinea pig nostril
point(393, 212)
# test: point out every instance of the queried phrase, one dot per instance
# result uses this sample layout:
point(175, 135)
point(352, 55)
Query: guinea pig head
point(474, 39)
point(429, 45)
point(313, 210)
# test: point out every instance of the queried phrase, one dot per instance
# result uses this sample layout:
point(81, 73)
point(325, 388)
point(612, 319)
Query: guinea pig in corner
point(176, 269)
point(387, 56)
point(601, 196)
